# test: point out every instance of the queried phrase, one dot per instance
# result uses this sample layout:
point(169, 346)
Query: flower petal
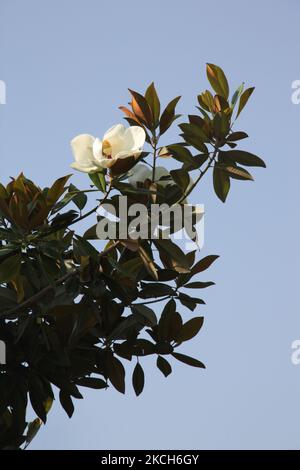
point(82, 147)
point(115, 137)
point(105, 162)
point(97, 149)
point(134, 138)
point(88, 168)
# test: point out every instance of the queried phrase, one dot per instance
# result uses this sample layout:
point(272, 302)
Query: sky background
point(67, 65)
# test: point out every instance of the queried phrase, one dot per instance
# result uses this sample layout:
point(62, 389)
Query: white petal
point(115, 137)
point(82, 147)
point(115, 131)
point(97, 149)
point(128, 153)
point(134, 138)
point(105, 162)
point(139, 173)
point(123, 154)
point(84, 168)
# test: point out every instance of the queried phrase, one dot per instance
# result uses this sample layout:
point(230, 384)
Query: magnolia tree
point(74, 310)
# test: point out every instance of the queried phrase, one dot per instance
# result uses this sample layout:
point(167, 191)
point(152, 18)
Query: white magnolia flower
point(91, 154)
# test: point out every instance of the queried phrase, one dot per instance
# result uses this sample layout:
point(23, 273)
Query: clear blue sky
point(67, 65)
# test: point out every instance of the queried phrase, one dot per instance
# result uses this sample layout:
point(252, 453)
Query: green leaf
point(236, 95)
point(168, 115)
point(221, 183)
point(56, 190)
point(91, 233)
point(181, 153)
point(170, 322)
point(189, 302)
point(147, 314)
point(164, 366)
point(79, 198)
point(38, 398)
point(8, 298)
point(243, 99)
point(188, 360)
point(204, 264)
point(181, 178)
point(83, 248)
point(155, 290)
point(194, 136)
point(33, 429)
point(189, 329)
point(237, 136)
point(180, 262)
point(237, 172)
point(242, 157)
point(98, 180)
point(195, 130)
point(199, 285)
point(7, 250)
point(138, 379)
point(115, 372)
point(66, 402)
point(218, 80)
point(153, 102)
point(221, 125)
point(206, 101)
point(10, 268)
point(148, 262)
point(141, 107)
point(91, 382)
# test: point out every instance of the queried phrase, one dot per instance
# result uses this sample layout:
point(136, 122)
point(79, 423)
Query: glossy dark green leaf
point(190, 329)
point(221, 183)
point(138, 379)
point(91, 382)
point(164, 366)
point(218, 80)
point(10, 268)
point(237, 136)
point(170, 322)
point(236, 95)
point(90, 234)
point(66, 402)
point(98, 180)
point(181, 178)
point(168, 115)
point(181, 153)
point(33, 429)
point(204, 264)
point(155, 290)
point(188, 360)
point(154, 103)
point(243, 158)
point(243, 99)
point(172, 250)
point(79, 198)
point(115, 372)
point(38, 398)
point(146, 313)
point(221, 125)
point(237, 172)
point(83, 248)
point(199, 285)
point(189, 302)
